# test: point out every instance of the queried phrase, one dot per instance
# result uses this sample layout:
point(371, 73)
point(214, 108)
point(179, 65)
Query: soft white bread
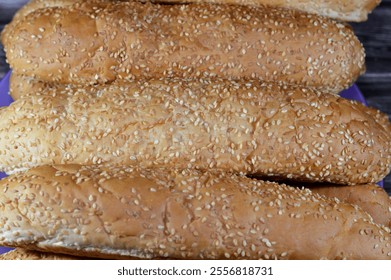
point(23, 254)
point(346, 10)
point(371, 198)
point(246, 127)
point(127, 39)
point(160, 213)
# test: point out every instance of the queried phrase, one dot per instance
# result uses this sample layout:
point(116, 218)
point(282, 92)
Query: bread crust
point(242, 127)
point(127, 40)
point(25, 86)
point(185, 215)
point(23, 254)
point(345, 10)
point(371, 198)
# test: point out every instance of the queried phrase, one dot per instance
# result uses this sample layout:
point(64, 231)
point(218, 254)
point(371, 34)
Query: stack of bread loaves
point(142, 130)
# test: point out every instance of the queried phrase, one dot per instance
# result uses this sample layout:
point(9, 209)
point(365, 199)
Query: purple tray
point(5, 100)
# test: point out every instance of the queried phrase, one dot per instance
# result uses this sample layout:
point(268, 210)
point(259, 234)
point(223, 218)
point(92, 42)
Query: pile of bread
point(155, 130)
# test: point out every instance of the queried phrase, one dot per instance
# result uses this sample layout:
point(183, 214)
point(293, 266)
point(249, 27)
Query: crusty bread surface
point(180, 214)
point(242, 127)
point(371, 198)
point(23, 86)
point(345, 10)
point(103, 41)
point(110, 91)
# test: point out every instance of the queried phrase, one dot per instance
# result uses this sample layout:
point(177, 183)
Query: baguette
point(181, 215)
point(345, 10)
point(241, 127)
point(128, 40)
point(371, 198)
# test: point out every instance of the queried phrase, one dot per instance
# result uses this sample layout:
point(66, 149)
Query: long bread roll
point(371, 198)
point(23, 254)
point(246, 127)
point(187, 214)
point(346, 10)
point(24, 86)
point(126, 40)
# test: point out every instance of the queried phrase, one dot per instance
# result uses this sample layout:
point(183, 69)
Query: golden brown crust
point(187, 214)
point(382, 118)
point(33, 5)
point(371, 198)
point(246, 127)
point(29, 252)
point(346, 10)
point(127, 40)
point(23, 86)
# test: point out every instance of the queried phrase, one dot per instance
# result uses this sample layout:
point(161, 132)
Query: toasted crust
point(245, 127)
point(187, 214)
point(346, 10)
point(128, 40)
point(371, 198)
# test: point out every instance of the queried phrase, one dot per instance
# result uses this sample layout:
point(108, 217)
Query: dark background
point(375, 34)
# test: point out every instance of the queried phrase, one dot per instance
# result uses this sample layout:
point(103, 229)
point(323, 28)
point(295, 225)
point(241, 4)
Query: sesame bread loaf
point(247, 127)
point(345, 10)
point(124, 40)
point(371, 198)
point(181, 215)
point(33, 5)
